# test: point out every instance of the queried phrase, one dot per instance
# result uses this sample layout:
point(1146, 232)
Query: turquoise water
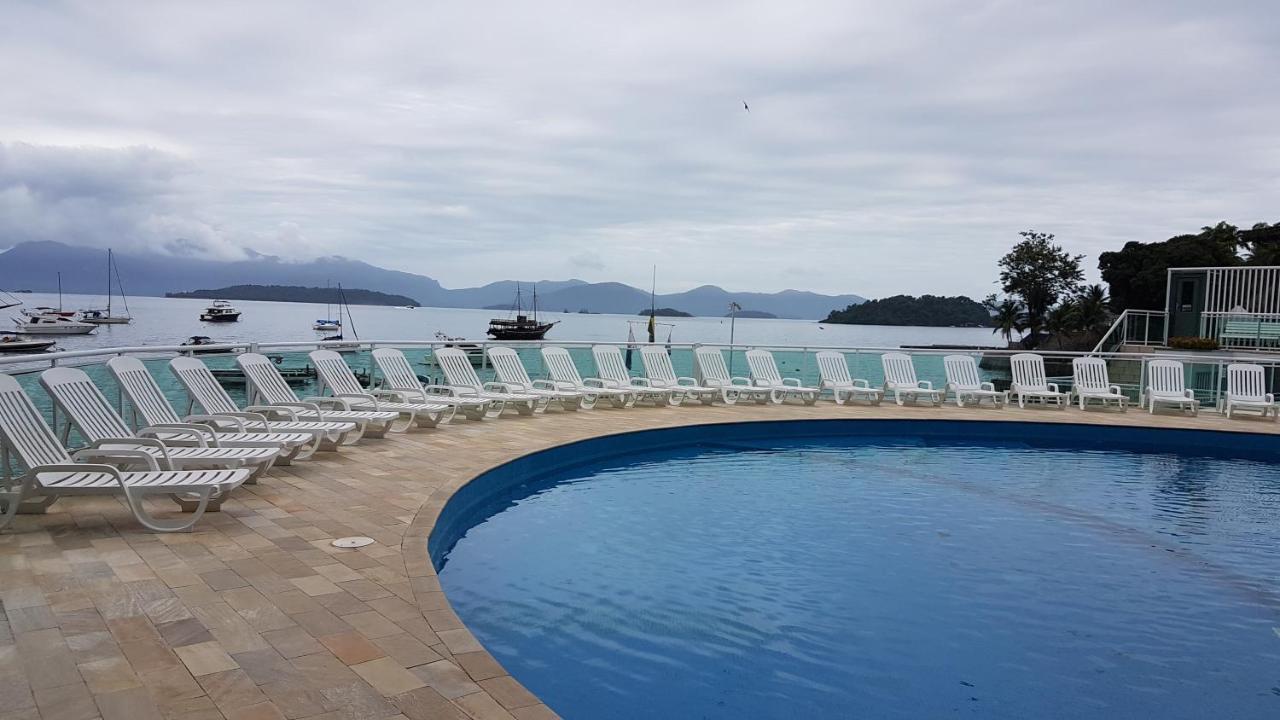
point(883, 573)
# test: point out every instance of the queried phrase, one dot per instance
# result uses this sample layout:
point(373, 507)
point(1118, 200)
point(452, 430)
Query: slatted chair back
point(506, 364)
point(85, 405)
point(712, 366)
point(610, 366)
point(1089, 374)
point(24, 429)
point(657, 365)
point(202, 386)
point(1246, 381)
point(397, 373)
point(560, 366)
point(962, 372)
point(457, 368)
point(267, 383)
point(1028, 372)
point(1166, 378)
point(899, 371)
point(833, 368)
point(142, 391)
point(335, 374)
point(763, 368)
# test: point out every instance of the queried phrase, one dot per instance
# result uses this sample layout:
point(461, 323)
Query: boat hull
point(221, 318)
point(25, 346)
point(534, 332)
point(109, 321)
point(67, 328)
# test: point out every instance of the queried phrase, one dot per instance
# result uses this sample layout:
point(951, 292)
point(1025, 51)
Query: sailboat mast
point(108, 282)
point(59, 292)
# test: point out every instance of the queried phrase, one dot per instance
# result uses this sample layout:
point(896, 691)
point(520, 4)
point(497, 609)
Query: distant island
point(753, 314)
point(297, 293)
point(665, 312)
point(926, 310)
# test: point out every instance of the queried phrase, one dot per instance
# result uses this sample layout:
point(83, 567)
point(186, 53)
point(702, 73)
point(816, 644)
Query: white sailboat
point(329, 323)
point(105, 317)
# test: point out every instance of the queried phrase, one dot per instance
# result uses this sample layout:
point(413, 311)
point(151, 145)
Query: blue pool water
point(880, 570)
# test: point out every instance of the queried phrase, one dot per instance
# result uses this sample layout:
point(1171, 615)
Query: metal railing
point(1135, 327)
point(1205, 373)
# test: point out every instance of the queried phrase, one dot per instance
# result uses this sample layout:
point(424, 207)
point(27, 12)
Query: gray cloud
point(889, 148)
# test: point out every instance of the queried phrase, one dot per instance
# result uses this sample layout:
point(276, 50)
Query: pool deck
point(254, 615)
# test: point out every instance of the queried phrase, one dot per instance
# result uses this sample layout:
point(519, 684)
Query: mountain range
point(33, 266)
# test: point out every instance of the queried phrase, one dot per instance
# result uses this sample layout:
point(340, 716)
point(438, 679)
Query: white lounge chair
point(510, 372)
point(1166, 385)
point(1029, 382)
point(398, 375)
point(764, 372)
point(335, 375)
point(565, 376)
point(963, 382)
point(53, 473)
point(88, 410)
point(662, 375)
point(1247, 390)
point(715, 373)
point(267, 385)
point(612, 371)
point(833, 371)
point(150, 405)
point(900, 379)
point(203, 389)
point(1090, 382)
point(463, 380)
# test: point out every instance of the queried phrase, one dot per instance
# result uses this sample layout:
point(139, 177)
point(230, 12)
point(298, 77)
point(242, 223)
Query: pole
point(59, 292)
point(733, 320)
point(108, 282)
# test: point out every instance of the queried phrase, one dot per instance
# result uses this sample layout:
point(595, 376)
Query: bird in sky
point(745, 106)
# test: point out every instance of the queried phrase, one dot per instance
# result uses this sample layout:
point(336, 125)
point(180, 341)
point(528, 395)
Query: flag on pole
point(653, 327)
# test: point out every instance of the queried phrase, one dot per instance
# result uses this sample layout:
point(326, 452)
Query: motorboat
point(220, 311)
point(475, 353)
point(11, 342)
point(46, 321)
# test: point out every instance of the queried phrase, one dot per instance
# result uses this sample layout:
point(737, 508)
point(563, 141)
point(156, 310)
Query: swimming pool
point(880, 569)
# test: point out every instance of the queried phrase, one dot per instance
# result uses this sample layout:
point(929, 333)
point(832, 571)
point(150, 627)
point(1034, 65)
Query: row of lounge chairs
point(197, 458)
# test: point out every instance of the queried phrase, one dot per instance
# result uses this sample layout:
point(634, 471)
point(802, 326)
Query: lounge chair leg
point(158, 525)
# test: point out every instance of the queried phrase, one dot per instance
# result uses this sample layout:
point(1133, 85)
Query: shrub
point(1193, 343)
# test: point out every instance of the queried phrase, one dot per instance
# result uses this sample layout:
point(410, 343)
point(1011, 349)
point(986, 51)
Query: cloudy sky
point(890, 146)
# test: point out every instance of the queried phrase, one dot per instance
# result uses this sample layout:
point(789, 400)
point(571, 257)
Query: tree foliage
point(1037, 274)
point(928, 310)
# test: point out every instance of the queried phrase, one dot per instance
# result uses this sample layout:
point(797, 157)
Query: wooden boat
point(521, 327)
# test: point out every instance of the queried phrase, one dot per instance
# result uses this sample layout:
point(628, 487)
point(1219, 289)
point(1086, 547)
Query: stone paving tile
point(255, 615)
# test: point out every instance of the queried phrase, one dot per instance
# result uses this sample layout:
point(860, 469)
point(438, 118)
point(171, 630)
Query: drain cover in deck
point(352, 542)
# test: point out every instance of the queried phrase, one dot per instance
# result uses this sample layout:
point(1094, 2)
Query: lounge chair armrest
point(463, 391)
point(206, 434)
point(122, 455)
point(268, 412)
point(500, 387)
point(546, 385)
point(597, 382)
point(237, 418)
point(641, 382)
point(1269, 398)
point(392, 395)
point(794, 382)
point(186, 435)
point(78, 467)
point(1114, 389)
point(925, 384)
point(446, 390)
point(861, 383)
point(990, 387)
point(739, 380)
point(1188, 394)
point(686, 381)
point(317, 403)
point(358, 396)
point(1053, 387)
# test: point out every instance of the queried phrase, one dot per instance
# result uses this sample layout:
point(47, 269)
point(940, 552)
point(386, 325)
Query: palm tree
point(1092, 315)
point(1061, 320)
point(1008, 318)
